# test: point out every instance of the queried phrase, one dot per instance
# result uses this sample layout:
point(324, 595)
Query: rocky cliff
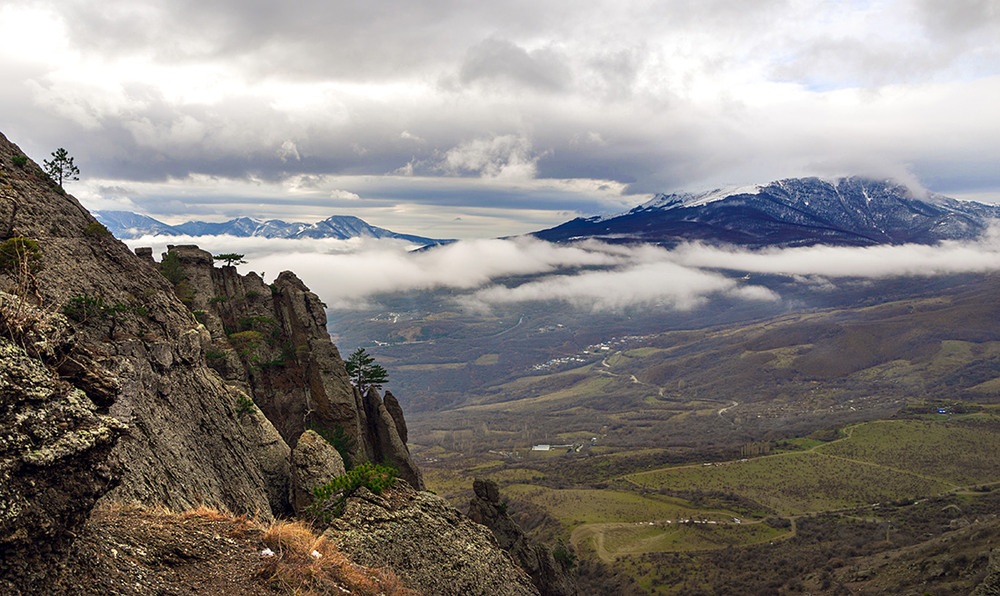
point(111, 388)
point(550, 576)
point(427, 543)
point(271, 342)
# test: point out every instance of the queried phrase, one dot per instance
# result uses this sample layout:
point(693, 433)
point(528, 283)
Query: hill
point(794, 212)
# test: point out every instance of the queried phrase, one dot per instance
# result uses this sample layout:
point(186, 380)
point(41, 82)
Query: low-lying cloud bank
point(588, 275)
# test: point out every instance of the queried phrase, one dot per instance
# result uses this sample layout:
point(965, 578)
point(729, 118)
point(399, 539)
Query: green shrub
point(214, 355)
point(247, 323)
point(330, 499)
point(83, 308)
point(200, 316)
point(20, 160)
point(218, 299)
point(563, 556)
point(171, 268)
point(96, 230)
point(19, 252)
point(245, 405)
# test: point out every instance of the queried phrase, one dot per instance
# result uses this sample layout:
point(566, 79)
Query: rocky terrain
point(551, 576)
point(180, 385)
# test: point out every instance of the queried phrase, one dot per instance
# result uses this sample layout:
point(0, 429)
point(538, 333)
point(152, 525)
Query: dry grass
point(306, 564)
point(303, 564)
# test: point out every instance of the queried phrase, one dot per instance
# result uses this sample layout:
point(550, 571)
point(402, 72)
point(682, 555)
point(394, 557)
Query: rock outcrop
point(54, 446)
point(990, 586)
point(427, 543)
point(548, 575)
point(272, 342)
point(181, 384)
point(314, 463)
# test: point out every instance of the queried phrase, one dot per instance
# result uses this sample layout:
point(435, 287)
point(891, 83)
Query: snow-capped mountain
point(126, 225)
point(794, 212)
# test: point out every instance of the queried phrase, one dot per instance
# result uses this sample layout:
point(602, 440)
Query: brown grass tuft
point(209, 513)
point(296, 568)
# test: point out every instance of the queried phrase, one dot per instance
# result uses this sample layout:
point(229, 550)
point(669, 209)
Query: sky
point(456, 119)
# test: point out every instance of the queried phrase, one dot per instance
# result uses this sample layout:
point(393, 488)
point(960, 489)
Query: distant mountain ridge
point(851, 211)
point(128, 225)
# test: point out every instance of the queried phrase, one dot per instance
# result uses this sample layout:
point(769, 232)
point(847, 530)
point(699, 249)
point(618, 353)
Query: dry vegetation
point(125, 549)
point(306, 564)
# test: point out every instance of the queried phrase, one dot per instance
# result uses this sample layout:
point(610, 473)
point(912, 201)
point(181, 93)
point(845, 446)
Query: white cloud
point(589, 276)
point(651, 284)
point(288, 150)
point(502, 157)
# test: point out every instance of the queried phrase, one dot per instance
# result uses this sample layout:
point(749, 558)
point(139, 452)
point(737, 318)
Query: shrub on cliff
point(331, 498)
point(20, 253)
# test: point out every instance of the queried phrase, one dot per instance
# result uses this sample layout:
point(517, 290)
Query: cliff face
point(121, 402)
point(185, 442)
point(272, 342)
point(537, 560)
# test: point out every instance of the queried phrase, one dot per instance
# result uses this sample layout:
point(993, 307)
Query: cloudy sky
point(463, 119)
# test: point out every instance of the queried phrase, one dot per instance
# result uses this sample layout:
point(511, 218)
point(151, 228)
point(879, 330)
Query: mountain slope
point(794, 212)
point(128, 225)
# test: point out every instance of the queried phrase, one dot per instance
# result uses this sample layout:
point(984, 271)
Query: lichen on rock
point(426, 542)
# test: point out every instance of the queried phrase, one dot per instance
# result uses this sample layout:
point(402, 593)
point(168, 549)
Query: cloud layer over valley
point(589, 275)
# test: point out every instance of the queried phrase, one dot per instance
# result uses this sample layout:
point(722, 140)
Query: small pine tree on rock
point(364, 372)
point(61, 167)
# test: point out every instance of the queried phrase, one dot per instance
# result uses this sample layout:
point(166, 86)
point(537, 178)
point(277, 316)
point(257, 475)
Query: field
point(795, 483)
point(872, 470)
point(961, 452)
point(573, 507)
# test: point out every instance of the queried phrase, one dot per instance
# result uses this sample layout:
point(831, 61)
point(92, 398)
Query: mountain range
point(851, 211)
point(127, 225)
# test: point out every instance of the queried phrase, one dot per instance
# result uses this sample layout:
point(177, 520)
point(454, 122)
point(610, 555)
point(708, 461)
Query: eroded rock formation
point(185, 392)
point(314, 463)
point(272, 342)
point(548, 574)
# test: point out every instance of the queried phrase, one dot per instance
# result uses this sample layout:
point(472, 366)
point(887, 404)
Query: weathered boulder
point(427, 543)
point(314, 463)
point(54, 445)
point(548, 575)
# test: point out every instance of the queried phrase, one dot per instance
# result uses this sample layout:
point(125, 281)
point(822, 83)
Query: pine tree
point(61, 167)
point(364, 372)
